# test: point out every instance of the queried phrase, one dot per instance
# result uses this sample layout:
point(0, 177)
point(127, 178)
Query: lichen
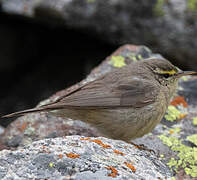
point(130, 166)
point(91, 1)
point(173, 114)
point(133, 57)
point(174, 130)
point(179, 100)
point(186, 156)
point(192, 5)
point(158, 8)
point(193, 139)
point(51, 164)
point(72, 155)
point(114, 171)
point(117, 61)
point(195, 121)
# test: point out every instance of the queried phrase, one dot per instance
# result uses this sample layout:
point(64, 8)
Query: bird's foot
point(142, 147)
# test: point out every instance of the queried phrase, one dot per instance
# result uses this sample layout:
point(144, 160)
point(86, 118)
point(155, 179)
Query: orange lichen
point(85, 139)
point(96, 141)
point(171, 131)
point(72, 155)
point(23, 127)
point(113, 173)
point(60, 156)
point(130, 166)
point(100, 143)
point(119, 152)
point(181, 116)
point(179, 100)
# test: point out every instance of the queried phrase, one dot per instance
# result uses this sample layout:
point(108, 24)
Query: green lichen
point(158, 8)
point(193, 139)
point(195, 121)
point(117, 61)
point(186, 156)
point(192, 5)
point(172, 113)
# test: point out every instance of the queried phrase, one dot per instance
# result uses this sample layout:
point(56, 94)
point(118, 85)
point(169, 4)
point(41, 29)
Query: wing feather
point(126, 93)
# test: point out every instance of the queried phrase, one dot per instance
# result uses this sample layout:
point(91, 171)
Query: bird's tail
point(20, 113)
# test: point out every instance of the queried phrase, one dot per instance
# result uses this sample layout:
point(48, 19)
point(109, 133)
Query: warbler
point(123, 104)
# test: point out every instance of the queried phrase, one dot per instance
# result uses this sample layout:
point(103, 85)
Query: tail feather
point(19, 113)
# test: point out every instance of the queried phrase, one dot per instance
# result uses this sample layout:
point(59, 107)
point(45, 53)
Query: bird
point(123, 104)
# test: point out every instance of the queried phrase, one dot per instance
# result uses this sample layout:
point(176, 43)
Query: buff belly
point(124, 124)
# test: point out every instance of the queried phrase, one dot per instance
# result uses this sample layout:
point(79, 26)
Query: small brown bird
point(123, 104)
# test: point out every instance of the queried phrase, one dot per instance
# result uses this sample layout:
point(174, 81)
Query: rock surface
point(80, 158)
point(168, 27)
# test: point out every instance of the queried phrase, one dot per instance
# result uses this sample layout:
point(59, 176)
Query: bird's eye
point(166, 75)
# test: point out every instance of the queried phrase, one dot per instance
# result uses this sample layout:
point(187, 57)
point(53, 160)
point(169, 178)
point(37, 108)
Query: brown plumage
point(123, 104)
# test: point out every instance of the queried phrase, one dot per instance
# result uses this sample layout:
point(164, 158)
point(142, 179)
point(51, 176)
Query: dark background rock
point(168, 27)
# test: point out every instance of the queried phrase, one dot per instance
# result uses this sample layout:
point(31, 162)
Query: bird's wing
point(108, 94)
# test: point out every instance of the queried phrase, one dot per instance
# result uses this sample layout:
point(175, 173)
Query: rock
point(174, 139)
point(80, 158)
point(168, 29)
point(2, 129)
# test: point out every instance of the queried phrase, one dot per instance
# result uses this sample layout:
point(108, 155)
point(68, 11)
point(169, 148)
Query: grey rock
point(49, 159)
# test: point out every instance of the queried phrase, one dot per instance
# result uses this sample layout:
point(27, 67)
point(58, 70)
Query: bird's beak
point(184, 73)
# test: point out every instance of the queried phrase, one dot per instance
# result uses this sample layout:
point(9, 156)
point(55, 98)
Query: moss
point(158, 8)
point(186, 156)
point(195, 121)
point(117, 61)
point(193, 139)
point(192, 5)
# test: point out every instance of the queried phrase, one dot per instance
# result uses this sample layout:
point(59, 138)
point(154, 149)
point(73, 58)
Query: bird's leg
point(142, 147)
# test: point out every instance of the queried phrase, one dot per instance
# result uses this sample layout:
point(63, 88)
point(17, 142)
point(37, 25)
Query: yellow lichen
point(185, 78)
point(91, 1)
point(195, 121)
point(139, 56)
point(51, 164)
point(172, 113)
point(186, 156)
point(193, 139)
point(132, 56)
point(158, 9)
point(117, 61)
point(192, 5)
